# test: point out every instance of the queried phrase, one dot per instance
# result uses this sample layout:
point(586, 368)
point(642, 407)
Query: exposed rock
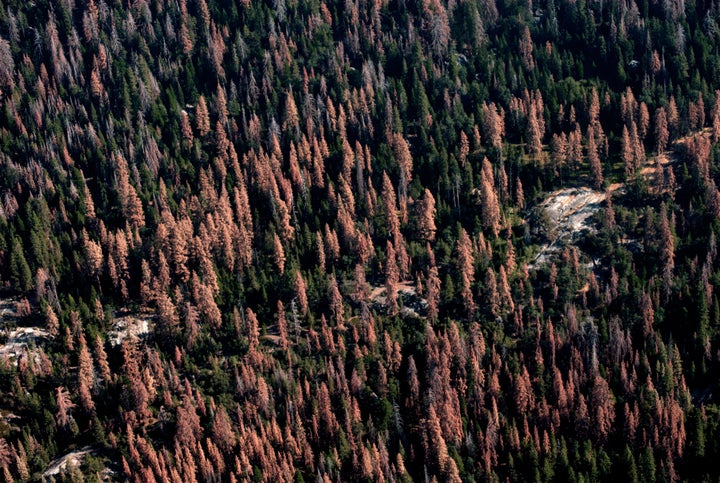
point(566, 215)
point(137, 325)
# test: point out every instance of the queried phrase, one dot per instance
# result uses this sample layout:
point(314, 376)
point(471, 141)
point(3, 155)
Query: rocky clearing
point(412, 303)
point(19, 340)
point(569, 211)
point(131, 325)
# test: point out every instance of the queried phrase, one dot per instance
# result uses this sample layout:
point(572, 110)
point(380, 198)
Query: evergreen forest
point(359, 240)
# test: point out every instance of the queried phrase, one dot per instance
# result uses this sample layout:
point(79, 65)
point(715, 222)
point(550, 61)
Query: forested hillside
point(387, 240)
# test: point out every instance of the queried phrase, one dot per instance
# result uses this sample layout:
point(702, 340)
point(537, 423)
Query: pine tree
point(336, 302)
point(20, 274)
point(392, 277)
point(86, 377)
point(627, 154)
point(300, 292)
point(493, 125)
point(667, 249)
point(65, 406)
point(425, 217)
point(525, 47)
point(533, 133)
point(466, 269)
point(278, 254)
point(594, 159)
point(432, 287)
point(662, 135)
point(490, 207)
point(202, 117)
point(403, 157)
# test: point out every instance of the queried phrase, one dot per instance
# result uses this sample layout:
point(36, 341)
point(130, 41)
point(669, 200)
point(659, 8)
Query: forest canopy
point(445, 240)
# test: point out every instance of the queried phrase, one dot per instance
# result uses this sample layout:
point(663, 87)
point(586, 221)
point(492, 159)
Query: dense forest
point(387, 240)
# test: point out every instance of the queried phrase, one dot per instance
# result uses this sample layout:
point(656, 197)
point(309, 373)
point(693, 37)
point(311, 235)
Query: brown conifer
point(278, 254)
point(525, 46)
point(533, 133)
point(627, 153)
point(86, 377)
point(667, 248)
point(425, 217)
point(300, 292)
point(336, 303)
point(392, 277)
point(466, 268)
point(202, 117)
point(405, 163)
point(490, 206)
point(102, 360)
point(662, 135)
point(594, 160)
point(65, 406)
point(493, 125)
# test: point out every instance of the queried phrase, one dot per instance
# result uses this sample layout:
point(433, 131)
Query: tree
point(282, 326)
point(252, 330)
point(425, 216)
point(7, 66)
point(202, 117)
point(464, 148)
point(525, 47)
point(667, 249)
point(86, 377)
point(20, 274)
point(643, 121)
point(336, 302)
point(129, 200)
point(188, 429)
point(93, 256)
point(533, 133)
point(716, 117)
point(403, 157)
point(466, 269)
point(392, 277)
point(493, 125)
point(65, 406)
point(432, 286)
point(102, 360)
point(523, 392)
point(222, 430)
point(627, 154)
point(662, 134)
point(186, 128)
point(300, 292)
point(278, 253)
point(490, 207)
point(437, 23)
point(594, 159)
point(291, 124)
point(696, 113)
